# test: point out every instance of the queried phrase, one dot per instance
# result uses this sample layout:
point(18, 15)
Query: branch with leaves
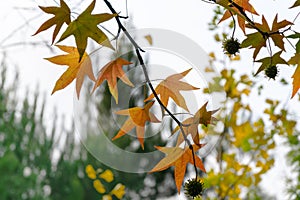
point(87, 25)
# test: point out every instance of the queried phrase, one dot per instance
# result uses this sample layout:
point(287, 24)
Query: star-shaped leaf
point(61, 16)
point(254, 40)
point(297, 3)
point(277, 37)
point(179, 158)
point(75, 70)
point(110, 72)
point(241, 19)
point(85, 26)
point(295, 60)
point(257, 40)
point(296, 36)
point(267, 61)
point(170, 88)
point(202, 116)
point(137, 118)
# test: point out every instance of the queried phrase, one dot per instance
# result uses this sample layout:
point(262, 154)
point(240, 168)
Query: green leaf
point(85, 26)
point(267, 61)
point(61, 16)
point(297, 3)
point(296, 36)
point(254, 40)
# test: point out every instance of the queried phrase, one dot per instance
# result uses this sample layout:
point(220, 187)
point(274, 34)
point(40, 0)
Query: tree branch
point(141, 60)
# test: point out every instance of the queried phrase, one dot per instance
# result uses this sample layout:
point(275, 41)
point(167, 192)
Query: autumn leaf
point(61, 16)
point(295, 60)
point(137, 118)
point(110, 72)
point(276, 36)
point(254, 40)
point(170, 88)
point(267, 61)
point(257, 40)
point(241, 19)
point(296, 36)
point(179, 158)
point(85, 26)
point(297, 3)
point(75, 70)
point(149, 39)
point(202, 116)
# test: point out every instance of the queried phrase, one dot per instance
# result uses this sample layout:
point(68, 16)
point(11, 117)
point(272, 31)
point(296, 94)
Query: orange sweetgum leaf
point(241, 19)
point(295, 60)
point(137, 118)
point(110, 72)
point(179, 158)
point(276, 26)
point(76, 70)
point(170, 88)
point(202, 116)
point(61, 16)
point(86, 26)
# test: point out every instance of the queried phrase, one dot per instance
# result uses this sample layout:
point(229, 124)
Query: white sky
point(189, 17)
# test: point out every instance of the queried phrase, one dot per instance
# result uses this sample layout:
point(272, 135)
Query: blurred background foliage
point(247, 141)
point(42, 159)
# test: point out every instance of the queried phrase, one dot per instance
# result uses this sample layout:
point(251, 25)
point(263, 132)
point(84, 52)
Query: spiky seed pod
point(271, 71)
point(231, 46)
point(193, 188)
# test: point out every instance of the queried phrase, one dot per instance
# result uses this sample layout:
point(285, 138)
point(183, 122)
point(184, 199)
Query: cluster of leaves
point(97, 175)
point(79, 62)
point(244, 151)
point(260, 36)
point(250, 136)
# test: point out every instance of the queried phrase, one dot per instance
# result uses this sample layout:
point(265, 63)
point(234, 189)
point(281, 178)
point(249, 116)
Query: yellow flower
point(118, 191)
point(107, 175)
point(107, 197)
point(90, 171)
point(98, 186)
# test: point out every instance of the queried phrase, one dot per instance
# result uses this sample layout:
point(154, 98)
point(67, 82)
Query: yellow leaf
point(98, 186)
point(90, 171)
point(178, 157)
point(110, 72)
point(235, 58)
point(118, 191)
point(107, 175)
point(170, 87)
point(61, 16)
point(149, 39)
point(75, 70)
point(86, 26)
point(137, 118)
point(107, 197)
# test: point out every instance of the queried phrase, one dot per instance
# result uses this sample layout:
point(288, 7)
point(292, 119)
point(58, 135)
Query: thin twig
point(141, 60)
point(234, 24)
